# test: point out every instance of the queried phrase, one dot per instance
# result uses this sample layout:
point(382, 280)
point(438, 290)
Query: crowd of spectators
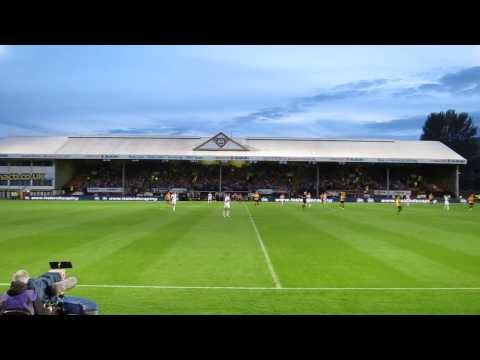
point(155, 177)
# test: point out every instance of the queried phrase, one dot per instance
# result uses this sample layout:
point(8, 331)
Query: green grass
point(324, 249)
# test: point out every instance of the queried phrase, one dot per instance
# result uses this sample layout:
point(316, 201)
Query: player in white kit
point(407, 198)
point(309, 200)
point(282, 199)
point(226, 206)
point(446, 204)
point(209, 198)
point(174, 201)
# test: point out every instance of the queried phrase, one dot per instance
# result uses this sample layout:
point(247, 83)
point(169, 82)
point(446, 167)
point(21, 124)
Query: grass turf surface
point(327, 260)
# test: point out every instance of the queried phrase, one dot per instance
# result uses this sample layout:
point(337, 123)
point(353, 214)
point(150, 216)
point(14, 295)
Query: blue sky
point(306, 91)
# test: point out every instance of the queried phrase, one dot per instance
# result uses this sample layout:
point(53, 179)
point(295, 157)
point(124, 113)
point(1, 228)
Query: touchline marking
point(271, 288)
point(276, 281)
point(166, 287)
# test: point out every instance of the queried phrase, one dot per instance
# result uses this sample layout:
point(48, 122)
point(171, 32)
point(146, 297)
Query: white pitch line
point(167, 287)
point(276, 281)
point(273, 288)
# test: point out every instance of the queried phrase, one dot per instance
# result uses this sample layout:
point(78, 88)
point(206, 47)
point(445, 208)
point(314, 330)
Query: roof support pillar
point(457, 181)
point(388, 178)
point(318, 179)
point(220, 179)
point(123, 178)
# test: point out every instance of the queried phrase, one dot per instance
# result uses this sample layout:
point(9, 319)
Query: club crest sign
point(221, 141)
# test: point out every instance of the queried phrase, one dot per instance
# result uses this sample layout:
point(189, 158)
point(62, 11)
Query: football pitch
point(142, 258)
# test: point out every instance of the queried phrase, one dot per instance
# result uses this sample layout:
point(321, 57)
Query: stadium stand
point(280, 178)
point(137, 166)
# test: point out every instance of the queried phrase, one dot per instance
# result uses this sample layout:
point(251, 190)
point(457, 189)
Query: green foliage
point(210, 162)
point(237, 163)
point(454, 130)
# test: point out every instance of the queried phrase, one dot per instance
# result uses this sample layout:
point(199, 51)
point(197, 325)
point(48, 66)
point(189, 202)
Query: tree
point(454, 130)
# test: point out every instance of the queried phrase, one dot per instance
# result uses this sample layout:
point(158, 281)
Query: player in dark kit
point(304, 200)
point(398, 203)
point(256, 198)
point(343, 196)
point(471, 201)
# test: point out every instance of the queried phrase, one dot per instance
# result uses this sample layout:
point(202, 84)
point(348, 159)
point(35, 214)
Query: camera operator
point(31, 295)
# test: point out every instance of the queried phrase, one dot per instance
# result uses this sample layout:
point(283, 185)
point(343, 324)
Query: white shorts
point(174, 202)
point(226, 206)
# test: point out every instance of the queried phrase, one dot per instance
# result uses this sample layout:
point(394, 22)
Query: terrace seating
point(142, 178)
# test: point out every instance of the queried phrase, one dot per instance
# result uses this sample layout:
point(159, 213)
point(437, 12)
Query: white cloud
point(332, 65)
point(476, 52)
point(311, 117)
point(3, 50)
